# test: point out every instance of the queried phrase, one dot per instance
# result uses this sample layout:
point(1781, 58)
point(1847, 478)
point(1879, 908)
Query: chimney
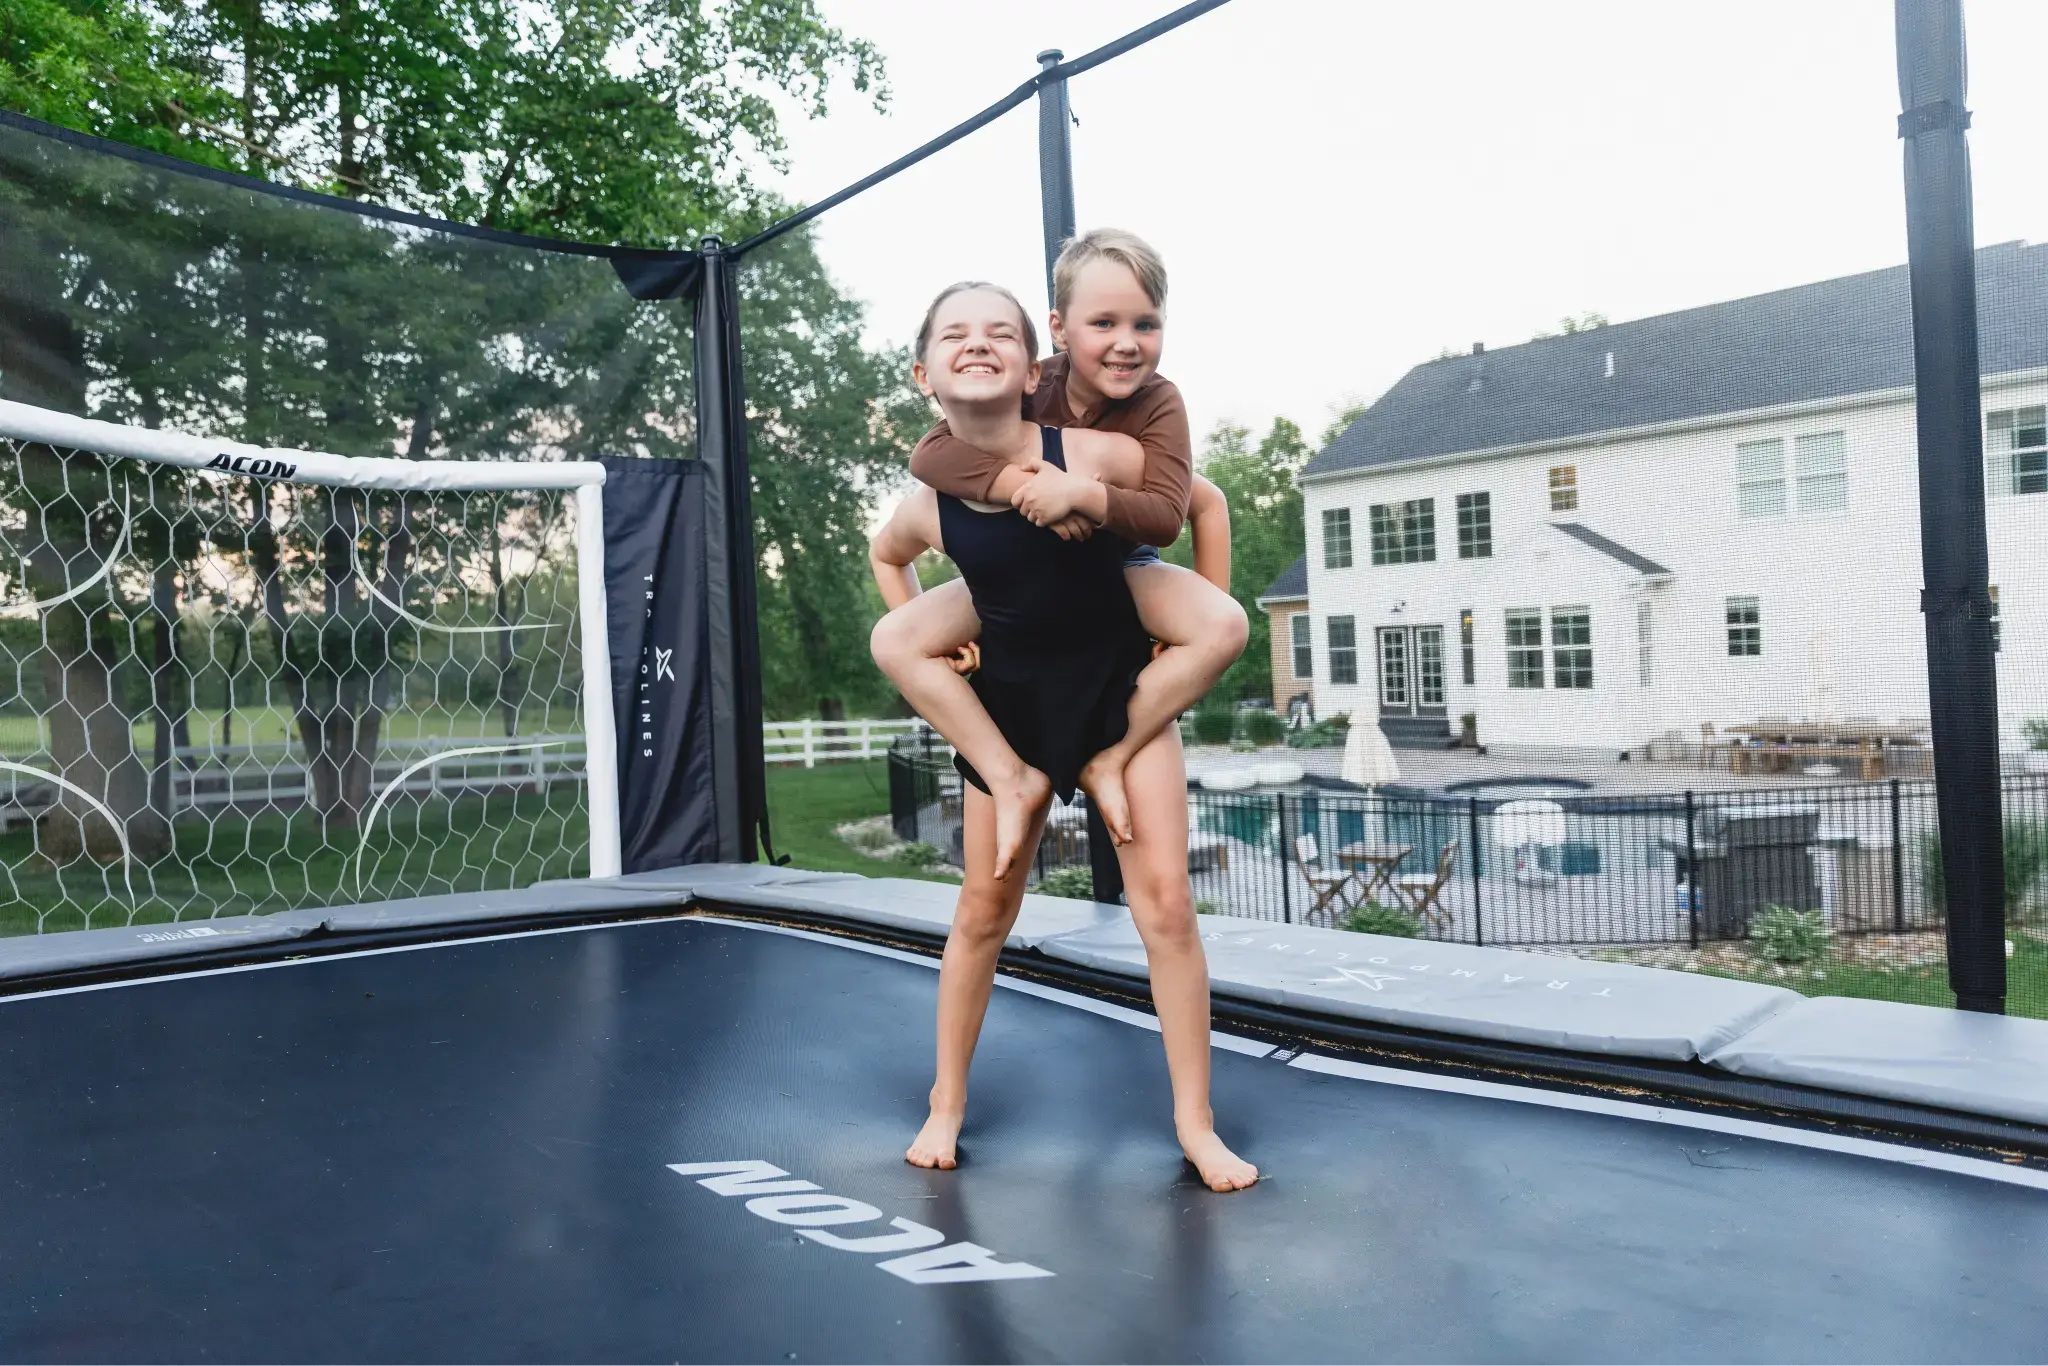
point(1478, 348)
point(1610, 365)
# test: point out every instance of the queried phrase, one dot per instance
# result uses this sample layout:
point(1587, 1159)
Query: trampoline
point(468, 1150)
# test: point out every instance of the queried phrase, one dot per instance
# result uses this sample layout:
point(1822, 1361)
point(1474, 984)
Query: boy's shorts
point(1142, 554)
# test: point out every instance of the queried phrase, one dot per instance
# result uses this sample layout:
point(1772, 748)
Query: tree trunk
point(508, 667)
point(163, 685)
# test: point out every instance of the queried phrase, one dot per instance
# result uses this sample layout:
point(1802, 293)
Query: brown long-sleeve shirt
point(1155, 416)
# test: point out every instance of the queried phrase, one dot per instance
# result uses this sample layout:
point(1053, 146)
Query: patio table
point(1375, 864)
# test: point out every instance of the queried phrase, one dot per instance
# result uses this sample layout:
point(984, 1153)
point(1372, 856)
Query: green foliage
point(2026, 863)
point(919, 854)
point(1373, 918)
point(1566, 326)
point(1789, 937)
point(1328, 733)
point(1265, 531)
point(1260, 727)
point(2036, 729)
point(1077, 884)
point(1215, 719)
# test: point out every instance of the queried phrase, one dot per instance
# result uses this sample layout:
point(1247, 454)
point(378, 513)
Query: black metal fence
point(1549, 865)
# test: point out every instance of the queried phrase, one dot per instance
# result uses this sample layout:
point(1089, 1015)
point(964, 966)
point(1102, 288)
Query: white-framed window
point(1571, 646)
point(1820, 468)
point(1475, 526)
point(1341, 633)
point(1818, 482)
point(1564, 488)
point(1745, 626)
point(1525, 647)
point(1468, 650)
point(1336, 538)
point(1645, 622)
point(1760, 478)
point(2016, 451)
point(1304, 653)
point(1404, 533)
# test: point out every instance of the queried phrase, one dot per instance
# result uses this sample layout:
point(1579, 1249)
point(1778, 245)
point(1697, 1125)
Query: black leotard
point(1061, 646)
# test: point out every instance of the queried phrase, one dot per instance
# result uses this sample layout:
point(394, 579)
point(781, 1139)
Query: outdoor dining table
point(1375, 864)
point(1774, 746)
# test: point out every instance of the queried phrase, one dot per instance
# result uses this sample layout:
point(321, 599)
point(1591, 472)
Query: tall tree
point(1265, 530)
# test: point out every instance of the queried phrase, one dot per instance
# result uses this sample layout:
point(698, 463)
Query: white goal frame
point(583, 479)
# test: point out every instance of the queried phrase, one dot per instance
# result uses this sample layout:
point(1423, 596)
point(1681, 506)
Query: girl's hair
point(1127, 249)
point(924, 331)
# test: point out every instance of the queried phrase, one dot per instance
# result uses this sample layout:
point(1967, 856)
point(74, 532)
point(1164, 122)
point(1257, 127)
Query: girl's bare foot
point(1102, 778)
point(1221, 1169)
point(1017, 804)
point(937, 1142)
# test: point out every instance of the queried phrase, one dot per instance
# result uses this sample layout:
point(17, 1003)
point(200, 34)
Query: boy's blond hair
point(1127, 249)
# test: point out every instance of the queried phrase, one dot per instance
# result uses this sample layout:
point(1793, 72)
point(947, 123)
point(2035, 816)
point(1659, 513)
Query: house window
point(1564, 488)
point(1820, 464)
point(1644, 622)
point(1404, 533)
point(1304, 655)
point(1342, 634)
point(1760, 478)
point(1571, 646)
point(2016, 452)
point(1475, 526)
point(1336, 538)
point(1745, 626)
point(1525, 647)
point(1471, 660)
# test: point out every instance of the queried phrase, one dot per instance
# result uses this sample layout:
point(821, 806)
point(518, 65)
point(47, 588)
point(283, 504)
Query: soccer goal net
point(240, 680)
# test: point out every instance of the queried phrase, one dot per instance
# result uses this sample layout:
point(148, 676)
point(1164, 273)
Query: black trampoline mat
point(462, 1153)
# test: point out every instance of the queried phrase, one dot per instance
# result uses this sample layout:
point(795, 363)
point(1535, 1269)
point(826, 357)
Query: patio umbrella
point(1823, 690)
point(1368, 758)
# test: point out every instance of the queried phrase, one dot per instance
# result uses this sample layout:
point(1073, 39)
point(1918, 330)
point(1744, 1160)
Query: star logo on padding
point(1364, 977)
point(661, 664)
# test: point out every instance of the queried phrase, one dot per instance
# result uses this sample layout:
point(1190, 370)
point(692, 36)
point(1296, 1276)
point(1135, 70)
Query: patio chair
point(1422, 893)
point(1336, 889)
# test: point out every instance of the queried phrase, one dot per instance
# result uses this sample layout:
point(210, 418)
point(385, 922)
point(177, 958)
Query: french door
point(1411, 670)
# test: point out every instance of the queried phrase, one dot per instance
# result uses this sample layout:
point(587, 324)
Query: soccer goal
point(236, 679)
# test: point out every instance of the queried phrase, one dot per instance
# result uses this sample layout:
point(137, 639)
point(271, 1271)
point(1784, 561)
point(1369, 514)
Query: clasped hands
point(1048, 499)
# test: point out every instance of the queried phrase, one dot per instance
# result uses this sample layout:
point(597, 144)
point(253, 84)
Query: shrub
point(1784, 935)
point(2036, 729)
point(1214, 722)
point(1373, 918)
point(919, 854)
point(2026, 860)
point(1262, 727)
point(1326, 734)
point(1077, 884)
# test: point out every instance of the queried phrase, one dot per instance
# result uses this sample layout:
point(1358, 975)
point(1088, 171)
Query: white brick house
point(1595, 540)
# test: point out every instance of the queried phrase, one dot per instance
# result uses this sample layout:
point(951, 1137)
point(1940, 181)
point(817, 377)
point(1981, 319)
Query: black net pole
point(1962, 679)
point(1056, 195)
point(1055, 164)
point(738, 766)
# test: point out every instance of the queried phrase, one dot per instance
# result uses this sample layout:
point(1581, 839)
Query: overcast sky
point(1344, 188)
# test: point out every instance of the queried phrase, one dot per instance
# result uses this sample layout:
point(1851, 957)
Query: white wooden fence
point(808, 742)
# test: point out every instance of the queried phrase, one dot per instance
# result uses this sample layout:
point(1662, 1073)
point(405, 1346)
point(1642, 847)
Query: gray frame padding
point(1954, 1059)
point(1553, 1002)
point(38, 955)
point(914, 905)
point(458, 907)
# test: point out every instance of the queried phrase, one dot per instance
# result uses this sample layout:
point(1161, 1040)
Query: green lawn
point(275, 863)
point(805, 805)
point(22, 736)
point(2026, 975)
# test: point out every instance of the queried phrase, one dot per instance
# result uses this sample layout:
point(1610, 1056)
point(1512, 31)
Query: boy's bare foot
point(1102, 778)
point(937, 1142)
point(1017, 803)
point(1221, 1169)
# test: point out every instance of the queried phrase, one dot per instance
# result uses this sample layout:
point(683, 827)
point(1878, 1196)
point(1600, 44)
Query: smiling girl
point(1061, 646)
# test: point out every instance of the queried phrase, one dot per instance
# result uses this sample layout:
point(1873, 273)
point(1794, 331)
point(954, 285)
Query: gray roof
point(1828, 340)
point(1292, 583)
point(1586, 536)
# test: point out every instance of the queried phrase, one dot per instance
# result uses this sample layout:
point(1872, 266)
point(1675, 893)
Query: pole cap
point(1052, 56)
